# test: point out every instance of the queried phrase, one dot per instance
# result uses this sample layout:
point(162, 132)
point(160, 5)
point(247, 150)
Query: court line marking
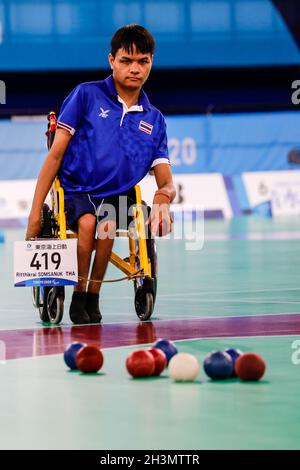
point(245, 301)
point(206, 338)
point(184, 294)
point(201, 300)
point(203, 318)
point(183, 319)
point(129, 346)
point(237, 337)
point(154, 320)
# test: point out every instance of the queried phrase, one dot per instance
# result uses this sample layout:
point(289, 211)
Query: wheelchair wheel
point(39, 297)
point(151, 247)
point(144, 304)
point(46, 222)
point(55, 304)
point(145, 289)
point(48, 300)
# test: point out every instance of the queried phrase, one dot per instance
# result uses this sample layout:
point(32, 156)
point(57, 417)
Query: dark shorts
point(109, 208)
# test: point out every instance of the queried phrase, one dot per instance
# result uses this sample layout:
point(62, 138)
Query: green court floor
point(247, 267)
point(44, 406)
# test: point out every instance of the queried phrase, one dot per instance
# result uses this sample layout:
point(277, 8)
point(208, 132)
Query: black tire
point(152, 253)
point(55, 304)
point(144, 303)
point(40, 296)
point(35, 291)
point(146, 289)
point(46, 222)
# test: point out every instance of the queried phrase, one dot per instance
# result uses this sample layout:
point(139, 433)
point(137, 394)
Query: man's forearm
point(44, 182)
point(49, 171)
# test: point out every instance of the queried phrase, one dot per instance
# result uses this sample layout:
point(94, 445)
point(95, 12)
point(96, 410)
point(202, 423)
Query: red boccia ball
point(159, 359)
point(250, 366)
point(89, 359)
point(162, 229)
point(140, 363)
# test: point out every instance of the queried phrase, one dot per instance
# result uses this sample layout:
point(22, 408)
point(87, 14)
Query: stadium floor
point(241, 290)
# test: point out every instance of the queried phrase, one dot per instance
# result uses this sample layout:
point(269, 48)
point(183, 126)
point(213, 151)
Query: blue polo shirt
point(113, 147)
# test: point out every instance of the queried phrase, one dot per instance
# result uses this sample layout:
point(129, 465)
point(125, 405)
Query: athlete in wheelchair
point(107, 138)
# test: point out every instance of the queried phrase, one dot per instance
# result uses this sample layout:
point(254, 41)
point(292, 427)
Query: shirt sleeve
point(161, 154)
point(71, 111)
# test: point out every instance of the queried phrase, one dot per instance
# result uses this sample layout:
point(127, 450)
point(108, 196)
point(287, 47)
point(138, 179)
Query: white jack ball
point(183, 367)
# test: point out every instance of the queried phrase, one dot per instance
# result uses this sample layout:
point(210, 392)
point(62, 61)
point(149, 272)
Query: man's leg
point(104, 245)
point(86, 238)
point(86, 241)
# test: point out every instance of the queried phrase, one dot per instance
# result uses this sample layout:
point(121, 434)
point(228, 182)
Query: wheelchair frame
point(140, 266)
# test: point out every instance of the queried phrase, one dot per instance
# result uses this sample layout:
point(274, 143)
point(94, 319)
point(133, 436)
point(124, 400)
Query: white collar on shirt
point(126, 110)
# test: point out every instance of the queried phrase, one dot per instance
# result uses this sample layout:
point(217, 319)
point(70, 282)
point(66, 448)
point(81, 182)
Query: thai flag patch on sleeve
point(145, 127)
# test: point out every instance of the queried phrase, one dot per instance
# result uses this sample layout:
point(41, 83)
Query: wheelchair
point(140, 266)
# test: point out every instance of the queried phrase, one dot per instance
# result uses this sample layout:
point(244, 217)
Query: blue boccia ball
point(218, 365)
point(168, 347)
point(234, 353)
point(70, 354)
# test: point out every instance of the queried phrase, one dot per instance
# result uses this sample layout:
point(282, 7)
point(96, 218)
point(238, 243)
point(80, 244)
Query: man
point(108, 137)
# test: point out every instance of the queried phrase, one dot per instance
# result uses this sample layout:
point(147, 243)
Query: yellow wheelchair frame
point(140, 266)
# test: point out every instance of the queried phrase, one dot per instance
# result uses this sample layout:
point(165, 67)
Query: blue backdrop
point(228, 144)
point(65, 34)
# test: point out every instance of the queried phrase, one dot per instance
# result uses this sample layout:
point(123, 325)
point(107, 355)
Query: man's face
point(130, 70)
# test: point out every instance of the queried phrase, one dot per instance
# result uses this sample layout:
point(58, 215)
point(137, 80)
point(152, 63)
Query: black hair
point(132, 35)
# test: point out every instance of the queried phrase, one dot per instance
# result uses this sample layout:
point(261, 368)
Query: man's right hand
point(33, 227)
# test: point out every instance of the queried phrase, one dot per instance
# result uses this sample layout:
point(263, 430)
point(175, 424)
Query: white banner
point(15, 200)
point(45, 262)
point(281, 189)
point(204, 191)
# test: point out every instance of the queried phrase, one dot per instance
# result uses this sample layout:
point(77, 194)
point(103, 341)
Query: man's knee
point(87, 224)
